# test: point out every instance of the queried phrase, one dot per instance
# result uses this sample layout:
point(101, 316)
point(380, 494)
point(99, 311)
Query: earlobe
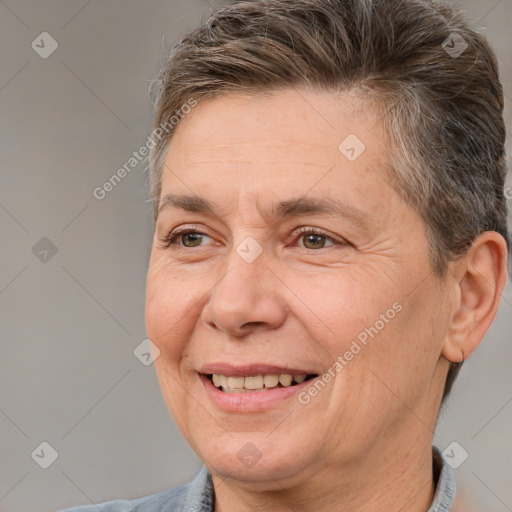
point(479, 278)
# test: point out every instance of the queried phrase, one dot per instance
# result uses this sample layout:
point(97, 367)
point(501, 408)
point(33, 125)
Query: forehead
point(289, 123)
point(290, 144)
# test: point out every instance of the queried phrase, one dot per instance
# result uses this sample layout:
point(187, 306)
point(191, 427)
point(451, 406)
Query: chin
point(255, 458)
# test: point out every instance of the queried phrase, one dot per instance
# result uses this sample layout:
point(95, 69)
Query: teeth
point(285, 380)
point(235, 382)
point(256, 382)
point(271, 381)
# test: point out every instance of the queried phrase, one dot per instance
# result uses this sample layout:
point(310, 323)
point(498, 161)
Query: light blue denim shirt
point(198, 495)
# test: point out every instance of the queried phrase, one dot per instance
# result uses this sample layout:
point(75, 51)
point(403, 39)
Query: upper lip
point(249, 370)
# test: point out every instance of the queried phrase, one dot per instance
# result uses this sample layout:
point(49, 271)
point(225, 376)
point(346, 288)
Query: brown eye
point(191, 237)
point(315, 241)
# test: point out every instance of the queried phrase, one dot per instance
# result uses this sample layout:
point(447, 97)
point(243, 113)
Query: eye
point(314, 237)
point(188, 236)
point(191, 238)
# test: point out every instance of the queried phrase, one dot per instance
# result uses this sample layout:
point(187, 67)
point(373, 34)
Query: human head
point(435, 104)
point(257, 125)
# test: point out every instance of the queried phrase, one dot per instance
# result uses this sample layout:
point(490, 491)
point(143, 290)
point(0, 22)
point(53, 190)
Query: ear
point(480, 277)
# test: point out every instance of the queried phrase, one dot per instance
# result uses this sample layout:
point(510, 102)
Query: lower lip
point(251, 402)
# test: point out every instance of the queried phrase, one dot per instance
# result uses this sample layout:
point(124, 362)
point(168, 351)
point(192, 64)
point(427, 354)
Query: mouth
point(256, 383)
point(256, 387)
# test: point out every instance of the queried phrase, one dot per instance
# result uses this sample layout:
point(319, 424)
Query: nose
point(248, 298)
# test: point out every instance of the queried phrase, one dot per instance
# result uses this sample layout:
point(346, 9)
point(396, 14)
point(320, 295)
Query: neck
point(400, 479)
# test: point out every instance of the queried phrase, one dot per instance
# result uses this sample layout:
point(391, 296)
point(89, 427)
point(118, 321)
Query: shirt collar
point(445, 488)
point(200, 496)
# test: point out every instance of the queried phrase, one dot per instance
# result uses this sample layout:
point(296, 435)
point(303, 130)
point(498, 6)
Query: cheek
point(167, 313)
point(405, 353)
point(344, 308)
point(166, 327)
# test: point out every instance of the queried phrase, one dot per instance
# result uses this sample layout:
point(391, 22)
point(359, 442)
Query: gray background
point(69, 326)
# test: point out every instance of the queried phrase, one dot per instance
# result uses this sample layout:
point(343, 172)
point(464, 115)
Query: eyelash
point(169, 240)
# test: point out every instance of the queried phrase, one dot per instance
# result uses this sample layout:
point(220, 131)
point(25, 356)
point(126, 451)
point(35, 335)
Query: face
point(336, 288)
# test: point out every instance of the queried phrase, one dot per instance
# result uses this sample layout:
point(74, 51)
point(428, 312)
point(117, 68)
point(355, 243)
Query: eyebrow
point(281, 210)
